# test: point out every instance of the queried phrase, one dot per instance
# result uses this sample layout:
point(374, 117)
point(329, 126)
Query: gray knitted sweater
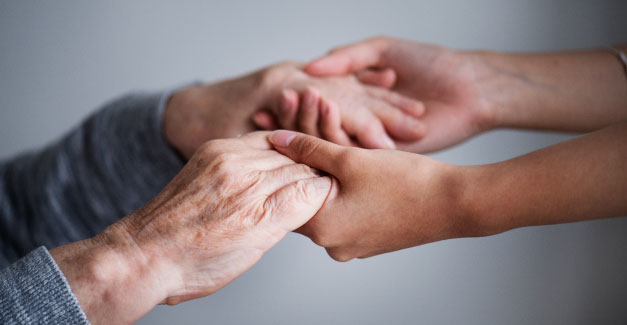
point(107, 167)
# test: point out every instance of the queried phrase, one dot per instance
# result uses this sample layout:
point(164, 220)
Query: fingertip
point(415, 108)
point(385, 78)
point(264, 120)
point(289, 100)
point(327, 65)
point(282, 138)
point(375, 137)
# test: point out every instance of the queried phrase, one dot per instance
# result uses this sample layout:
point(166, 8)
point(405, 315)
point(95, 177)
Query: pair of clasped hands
point(241, 191)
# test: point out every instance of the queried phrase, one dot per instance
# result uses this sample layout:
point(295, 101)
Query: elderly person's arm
point(109, 166)
point(232, 202)
point(105, 168)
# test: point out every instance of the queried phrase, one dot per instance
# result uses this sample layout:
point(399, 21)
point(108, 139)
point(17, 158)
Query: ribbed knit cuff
point(33, 290)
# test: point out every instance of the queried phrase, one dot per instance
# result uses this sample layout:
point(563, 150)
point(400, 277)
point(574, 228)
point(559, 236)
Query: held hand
point(383, 200)
point(225, 109)
point(361, 114)
point(232, 202)
point(446, 81)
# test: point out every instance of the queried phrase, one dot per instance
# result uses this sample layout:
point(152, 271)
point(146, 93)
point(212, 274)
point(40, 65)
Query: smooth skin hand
point(229, 108)
point(387, 200)
point(467, 92)
point(231, 203)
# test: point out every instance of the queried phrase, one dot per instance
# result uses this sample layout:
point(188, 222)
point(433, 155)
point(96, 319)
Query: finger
point(408, 105)
point(265, 120)
point(349, 59)
point(277, 178)
point(254, 140)
point(293, 205)
point(372, 135)
point(308, 112)
point(331, 123)
point(312, 151)
point(288, 108)
point(398, 124)
point(385, 78)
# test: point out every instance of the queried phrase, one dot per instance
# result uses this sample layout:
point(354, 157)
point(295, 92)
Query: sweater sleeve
point(34, 291)
point(102, 170)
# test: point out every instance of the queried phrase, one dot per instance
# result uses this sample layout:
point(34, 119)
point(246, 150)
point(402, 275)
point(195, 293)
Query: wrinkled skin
point(232, 202)
point(225, 109)
point(367, 114)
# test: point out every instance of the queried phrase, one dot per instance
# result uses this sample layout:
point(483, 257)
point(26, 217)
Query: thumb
point(349, 59)
point(385, 78)
point(311, 151)
point(294, 204)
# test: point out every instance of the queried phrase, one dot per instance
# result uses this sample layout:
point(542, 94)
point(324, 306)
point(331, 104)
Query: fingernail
point(413, 123)
point(309, 99)
point(324, 108)
point(417, 127)
point(389, 142)
point(285, 104)
point(282, 138)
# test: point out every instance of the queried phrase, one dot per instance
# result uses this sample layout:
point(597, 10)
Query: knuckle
point(340, 254)
point(222, 165)
point(302, 189)
point(307, 148)
point(371, 129)
point(348, 159)
point(321, 239)
point(210, 147)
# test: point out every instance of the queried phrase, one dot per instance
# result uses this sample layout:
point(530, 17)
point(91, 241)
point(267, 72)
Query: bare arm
point(570, 91)
point(580, 179)
point(468, 92)
point(387, 200)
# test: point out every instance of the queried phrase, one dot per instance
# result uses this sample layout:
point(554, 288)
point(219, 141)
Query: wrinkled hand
point(341, 109)
point(446, 81)
point(232, 202)
point(383, 200)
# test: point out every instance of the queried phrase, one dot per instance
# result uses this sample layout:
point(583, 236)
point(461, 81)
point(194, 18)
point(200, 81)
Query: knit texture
point(102, 170)
point(34, 291)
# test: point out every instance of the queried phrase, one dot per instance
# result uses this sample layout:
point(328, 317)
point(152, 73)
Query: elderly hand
point(383, 200)
point(232, 202)
point(449, 83)
point(362, 113)
point(200, 113)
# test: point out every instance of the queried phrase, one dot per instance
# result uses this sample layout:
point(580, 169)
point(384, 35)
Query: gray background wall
point(60, 60)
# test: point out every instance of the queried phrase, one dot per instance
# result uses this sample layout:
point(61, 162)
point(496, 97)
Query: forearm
point(581, 179)
point(102, 170)
point(569, 91)
point(112, 279)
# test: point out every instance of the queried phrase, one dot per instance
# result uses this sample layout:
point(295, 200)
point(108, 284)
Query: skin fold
point(236, 198)
point(231, 203)
point(388, 200)
point(237, 106)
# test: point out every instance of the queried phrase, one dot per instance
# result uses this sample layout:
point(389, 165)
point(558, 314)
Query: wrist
point(180, 128)
point(480, 201)
point(495, 78)
point(113, 281)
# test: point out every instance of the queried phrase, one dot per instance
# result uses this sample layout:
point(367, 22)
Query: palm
point(445, 84)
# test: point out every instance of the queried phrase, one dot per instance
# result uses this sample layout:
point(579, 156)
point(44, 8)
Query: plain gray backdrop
point(60, 60)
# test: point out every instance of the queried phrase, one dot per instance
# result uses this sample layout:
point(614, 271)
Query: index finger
point(257, 140)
